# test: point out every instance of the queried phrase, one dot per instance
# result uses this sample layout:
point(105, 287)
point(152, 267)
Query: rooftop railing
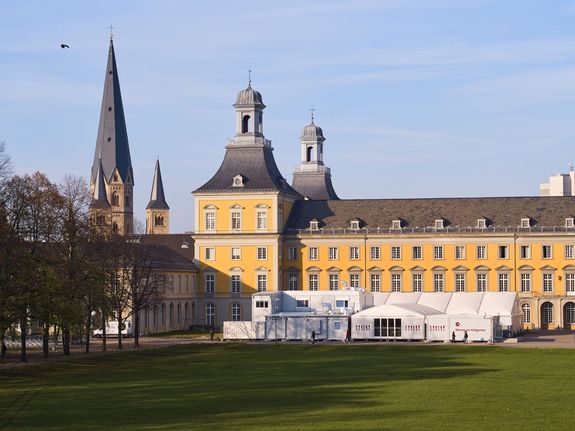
point(453, 230)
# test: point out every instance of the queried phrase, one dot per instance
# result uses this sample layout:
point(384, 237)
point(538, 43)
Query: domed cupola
point(311, 131)
point(249, 96)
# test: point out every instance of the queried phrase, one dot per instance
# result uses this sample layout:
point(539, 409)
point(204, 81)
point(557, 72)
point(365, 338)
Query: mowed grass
point(296, 387)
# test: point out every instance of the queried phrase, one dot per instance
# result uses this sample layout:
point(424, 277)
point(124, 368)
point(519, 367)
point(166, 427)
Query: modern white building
point(559, 184)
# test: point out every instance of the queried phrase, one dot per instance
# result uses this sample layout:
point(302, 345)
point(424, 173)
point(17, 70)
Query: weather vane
point(312, 109)
point(249, 75)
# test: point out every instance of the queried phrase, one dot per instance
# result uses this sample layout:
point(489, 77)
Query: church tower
point(100, 208)
point(312, 178)
point(157, 211)
point(112, 153)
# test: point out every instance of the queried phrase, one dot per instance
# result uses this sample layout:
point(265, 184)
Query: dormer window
point(569, 222)
point(313, 225)
point(354, 225)
point(481, 223)
point(525, 222)
point(396, 224)
point(439, 224)
point(238, 181)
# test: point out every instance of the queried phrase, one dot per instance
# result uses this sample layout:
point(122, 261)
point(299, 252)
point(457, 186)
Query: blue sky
point(417, 98)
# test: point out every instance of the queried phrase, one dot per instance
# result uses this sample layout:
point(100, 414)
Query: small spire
point(157, 195)
point(111, 32)
point(249, 76)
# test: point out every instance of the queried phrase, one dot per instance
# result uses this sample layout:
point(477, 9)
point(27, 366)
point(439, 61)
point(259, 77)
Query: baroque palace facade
point(256, 232)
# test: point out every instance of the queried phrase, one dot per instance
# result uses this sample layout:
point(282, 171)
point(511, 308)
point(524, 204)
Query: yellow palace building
point(256, 232)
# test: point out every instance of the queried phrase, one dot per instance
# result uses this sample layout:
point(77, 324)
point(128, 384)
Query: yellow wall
point(248, 207)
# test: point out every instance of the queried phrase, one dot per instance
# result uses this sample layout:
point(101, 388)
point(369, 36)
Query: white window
point(503, 252)
point(547, 282)
point(569, 252)
point(236, 312)
point(525, 222)
point(416, 252)
point(210, 283)
point(354, 280)
point(460, 252)
point(313, 225)
point(438, 282)
point(262, 253)
point(525, 252)
point(375, 253)
point(396, 224)
point(302, 303)
point(236, 283)
point(313, 282)
point(569, 222)
point(292, 253)
point(262, 220)
point(210, 314)
point(262, 282)
point(526, 308)
point(547, 313)
point(236, 220)
point(439, 224)
point(481, 252)
point(395, 252)
point(354, 253)
point(375, 282)
point(210, 218)
point(293, 282)
point(236, 255)
point(396, 282)
point(546, 252)
point(460, 282)
point(570, 282)
point(503, 282)
point(333, 253)
point(334, 282)
point(210, 253)
point(417, 282)
point(438, 252)
point(482, 282)
point(525, 282)
point(313, 253)
point(354, 225)
point(481, 223)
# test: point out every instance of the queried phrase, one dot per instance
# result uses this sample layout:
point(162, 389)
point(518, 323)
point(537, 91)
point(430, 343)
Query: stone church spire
point(113, 151)
point(312, 178)
point(157, 211)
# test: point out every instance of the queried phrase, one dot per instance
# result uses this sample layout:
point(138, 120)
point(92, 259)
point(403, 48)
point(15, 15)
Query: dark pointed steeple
point(112, 142)
point(100, 197)
point(157, 196)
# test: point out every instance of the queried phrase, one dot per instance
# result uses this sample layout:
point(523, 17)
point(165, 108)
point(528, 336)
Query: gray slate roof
point(316, 185)
point(168, 251)
point(456, 212)
point(100, 196)
point(157, 196)
point(311, 131)
point(112, 142)
point(258, 167)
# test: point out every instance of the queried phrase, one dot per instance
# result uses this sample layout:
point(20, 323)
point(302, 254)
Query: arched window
point(547, 313)
point(163, 314)
point(115, 199)
point(179, 314)
point(210, 314)
point(236, 312)
point(186, 315)
point(171, 315)
point(526, 308)
point(308, 157)
point(100, 220)
point(127, 200)
point(569, 313)
point(246, 124)
point(158, 220)
point(155, 317)
point(115, 227)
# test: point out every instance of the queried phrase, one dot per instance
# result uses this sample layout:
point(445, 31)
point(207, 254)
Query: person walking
point(312, 337)
point(465, 337)
point(453, 337)
point(212, 333)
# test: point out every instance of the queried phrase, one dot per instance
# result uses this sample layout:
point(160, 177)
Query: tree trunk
point(23, 330)
point(88, 331)
point(46, 339)
point(137, 330)
point(104, 335)
point(120, 321)
point(66, 340)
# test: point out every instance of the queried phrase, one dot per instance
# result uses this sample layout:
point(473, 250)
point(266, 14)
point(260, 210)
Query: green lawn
point(296, 387)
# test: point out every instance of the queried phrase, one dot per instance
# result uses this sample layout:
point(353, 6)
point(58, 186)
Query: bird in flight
point(64, 46)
